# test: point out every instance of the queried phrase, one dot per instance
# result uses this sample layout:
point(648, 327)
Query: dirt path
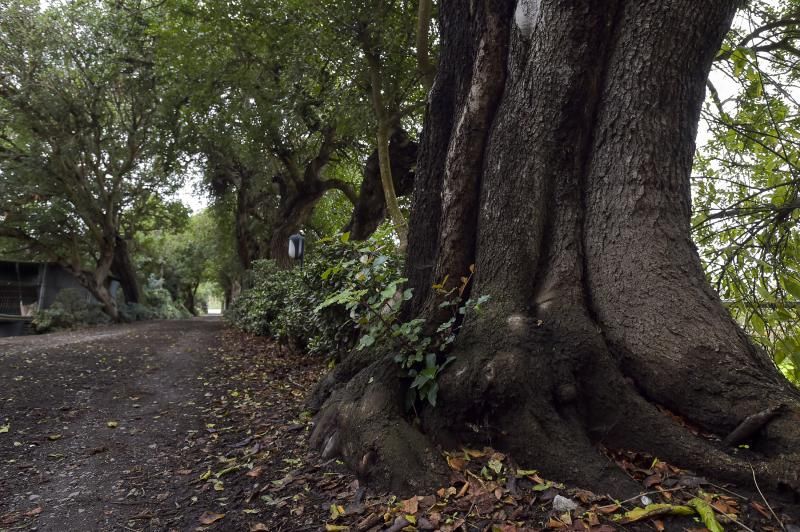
point(189, 425)
point(97, 422)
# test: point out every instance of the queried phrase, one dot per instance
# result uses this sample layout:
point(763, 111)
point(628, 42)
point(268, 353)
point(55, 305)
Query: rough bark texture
point(574, 169)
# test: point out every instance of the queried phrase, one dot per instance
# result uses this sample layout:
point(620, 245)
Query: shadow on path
point(93, 423)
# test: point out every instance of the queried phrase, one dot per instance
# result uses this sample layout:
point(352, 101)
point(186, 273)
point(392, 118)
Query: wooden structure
point(26, 287)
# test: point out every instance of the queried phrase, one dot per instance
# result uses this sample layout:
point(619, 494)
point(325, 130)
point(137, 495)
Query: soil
point(113, 428)
point(189, 425)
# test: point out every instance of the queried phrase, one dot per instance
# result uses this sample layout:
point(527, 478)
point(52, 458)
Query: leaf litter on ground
point(257, 435)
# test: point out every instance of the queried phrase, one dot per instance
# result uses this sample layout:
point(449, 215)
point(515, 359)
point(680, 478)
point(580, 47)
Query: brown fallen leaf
point(760, 509)
point(9, 518)
point(455, 463)
point(209, 518)
point(35, 511)
point(411, 506)
point(724, 508)
point(255, 472)
point(473, 453)
point(183, 472)
point(259, 527)
point(652, 480)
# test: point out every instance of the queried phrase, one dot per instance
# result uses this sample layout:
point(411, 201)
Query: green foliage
point(81, 142)
point(747, 192)
point(183, 258)
point(160, 304)
point(286, 304)
point(72, 308)
point(420, 352)
point(349, 296)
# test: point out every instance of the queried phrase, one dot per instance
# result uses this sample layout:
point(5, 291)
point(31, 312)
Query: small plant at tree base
point(349, 296)
point(376, 312)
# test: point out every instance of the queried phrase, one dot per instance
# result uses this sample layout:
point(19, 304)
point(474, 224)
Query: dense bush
point(286, 304)
point(158, 301)
point(72, 308)
point(349, 297)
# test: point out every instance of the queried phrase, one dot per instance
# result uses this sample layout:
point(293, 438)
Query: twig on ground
point(728, 491)
point(765, 499)
point(620, 503)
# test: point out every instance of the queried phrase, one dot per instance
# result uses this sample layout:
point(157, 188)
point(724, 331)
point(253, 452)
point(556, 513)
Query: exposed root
point(364, 424)
point(547, 401)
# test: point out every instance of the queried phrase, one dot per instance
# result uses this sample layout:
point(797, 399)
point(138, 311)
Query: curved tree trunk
point(370, 209)
point(123, 269)
point(556, 158)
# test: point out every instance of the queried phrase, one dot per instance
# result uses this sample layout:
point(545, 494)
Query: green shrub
point(72, 308)
point(158, 301)
point(285, 304)
point(349, 297)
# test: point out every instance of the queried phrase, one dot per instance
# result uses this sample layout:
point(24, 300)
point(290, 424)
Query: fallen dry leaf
point(411, 506)
point(209, 518)
point(259, 527)
point(555, 523)
point(455, 463)
point(760, 509)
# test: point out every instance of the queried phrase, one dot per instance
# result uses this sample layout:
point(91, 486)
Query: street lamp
point(297, 247)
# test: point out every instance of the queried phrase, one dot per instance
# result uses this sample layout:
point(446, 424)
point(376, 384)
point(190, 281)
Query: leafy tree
point(270, 113)
point(556, 159)
point(79, 114)
point(746, 188)
point(395, 80)
point(184, 257)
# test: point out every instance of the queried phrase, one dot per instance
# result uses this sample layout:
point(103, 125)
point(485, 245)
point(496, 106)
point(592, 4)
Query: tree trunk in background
point(246, 243)
point(370, 210)
point(96, 282)
point(123, 269)
point(294, 212)
point(556, 157)
point(191, 298)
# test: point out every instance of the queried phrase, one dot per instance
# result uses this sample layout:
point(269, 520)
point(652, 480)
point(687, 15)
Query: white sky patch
point(191, 196)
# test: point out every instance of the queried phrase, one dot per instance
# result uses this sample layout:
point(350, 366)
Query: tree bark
point(123, 269)
point(295, 210)
point(383, 130)
point(370, 209)
point(556, 157)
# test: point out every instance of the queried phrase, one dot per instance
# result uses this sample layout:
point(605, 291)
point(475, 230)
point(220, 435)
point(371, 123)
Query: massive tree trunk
point(556, 157)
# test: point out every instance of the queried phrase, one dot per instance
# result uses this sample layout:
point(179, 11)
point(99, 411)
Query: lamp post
point(297, 248)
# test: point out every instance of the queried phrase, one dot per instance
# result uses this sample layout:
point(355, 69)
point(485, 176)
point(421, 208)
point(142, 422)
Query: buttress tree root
point(556, 156)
